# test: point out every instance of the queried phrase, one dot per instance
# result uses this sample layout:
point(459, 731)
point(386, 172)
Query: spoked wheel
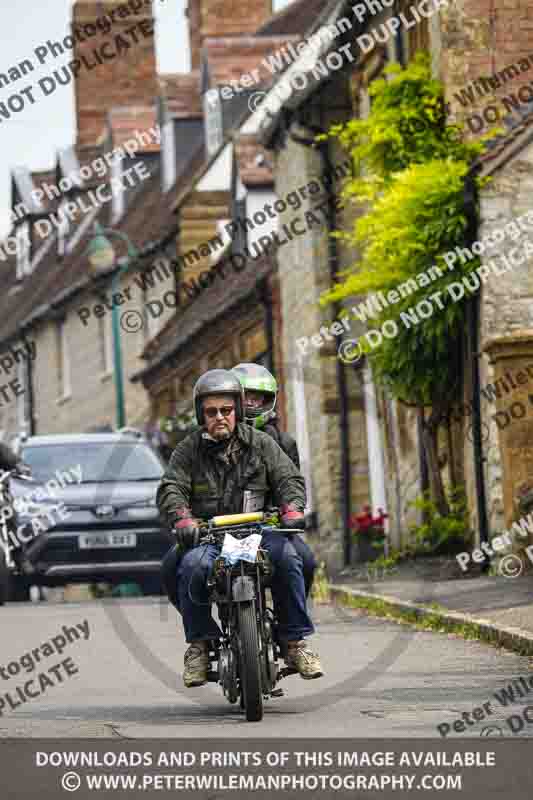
point(268, 655)
point(250, 668)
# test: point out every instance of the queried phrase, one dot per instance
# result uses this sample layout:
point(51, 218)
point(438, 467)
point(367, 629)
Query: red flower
point(366, 523)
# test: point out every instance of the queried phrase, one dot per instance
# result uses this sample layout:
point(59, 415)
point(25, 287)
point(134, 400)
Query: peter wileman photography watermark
point(106, 51)
point(8, 358)
point(132, 320)
point(510, 695)
point(306, 53)
point(510, 565)
point(36, 516)
point(351, 350)
point(89, 200)
point(40, 682)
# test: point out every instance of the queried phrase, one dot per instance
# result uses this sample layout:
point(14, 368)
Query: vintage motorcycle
point(246, 657)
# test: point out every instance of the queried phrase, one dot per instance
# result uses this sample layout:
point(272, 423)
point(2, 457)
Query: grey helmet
point(218, 381)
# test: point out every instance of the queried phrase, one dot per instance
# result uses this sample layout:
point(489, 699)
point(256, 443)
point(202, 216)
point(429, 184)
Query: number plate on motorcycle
point(234, 550)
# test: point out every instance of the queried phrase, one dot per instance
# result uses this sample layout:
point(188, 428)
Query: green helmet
point(255, 378)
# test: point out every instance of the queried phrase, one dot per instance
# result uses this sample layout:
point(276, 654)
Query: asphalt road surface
point(382, 679)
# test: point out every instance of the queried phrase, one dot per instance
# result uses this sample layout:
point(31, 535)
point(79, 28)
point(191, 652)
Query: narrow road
point(124, 680)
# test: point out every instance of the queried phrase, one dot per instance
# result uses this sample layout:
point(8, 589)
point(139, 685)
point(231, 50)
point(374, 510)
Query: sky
point(31, 137)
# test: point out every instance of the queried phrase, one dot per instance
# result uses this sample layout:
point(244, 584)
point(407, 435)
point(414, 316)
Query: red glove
point(291, 517)
point(186, 528)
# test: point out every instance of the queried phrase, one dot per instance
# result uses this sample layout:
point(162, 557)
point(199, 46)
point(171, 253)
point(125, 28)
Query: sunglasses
point(211, 412)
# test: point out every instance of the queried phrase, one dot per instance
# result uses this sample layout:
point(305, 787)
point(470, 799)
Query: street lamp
point(102, 256)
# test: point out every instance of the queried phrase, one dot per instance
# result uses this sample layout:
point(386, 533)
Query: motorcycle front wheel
point(250, 668)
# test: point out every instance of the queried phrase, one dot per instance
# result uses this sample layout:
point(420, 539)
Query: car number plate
point(90, 541)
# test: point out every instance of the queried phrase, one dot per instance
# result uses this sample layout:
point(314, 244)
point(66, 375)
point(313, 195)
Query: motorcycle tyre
point(250, 668)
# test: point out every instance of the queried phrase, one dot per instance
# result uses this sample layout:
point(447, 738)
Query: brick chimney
point(114, 43)
point(223, 18)
point(485, 50)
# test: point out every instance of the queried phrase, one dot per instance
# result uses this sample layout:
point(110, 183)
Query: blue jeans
point(170, 563)
point(288, 590)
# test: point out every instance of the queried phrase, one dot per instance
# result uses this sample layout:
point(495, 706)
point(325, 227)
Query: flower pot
point(366, 549)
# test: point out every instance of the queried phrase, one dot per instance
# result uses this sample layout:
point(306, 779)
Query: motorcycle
point(10, 555)
point(246, 657)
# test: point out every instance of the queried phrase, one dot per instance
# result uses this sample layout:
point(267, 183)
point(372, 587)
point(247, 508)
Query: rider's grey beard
point(220, 437)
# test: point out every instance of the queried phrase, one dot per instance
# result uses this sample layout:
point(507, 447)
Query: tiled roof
point(148, 218)
point(182, 93)
point(519, 133)
point(216, 300)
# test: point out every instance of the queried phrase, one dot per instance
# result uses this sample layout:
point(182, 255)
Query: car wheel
point(152, 585)
point(35, 594)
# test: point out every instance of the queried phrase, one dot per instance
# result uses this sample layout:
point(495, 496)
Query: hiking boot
point(196, 664)
point(300, 657)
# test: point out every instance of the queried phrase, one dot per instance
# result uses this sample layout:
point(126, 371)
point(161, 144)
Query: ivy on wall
point(410, 170)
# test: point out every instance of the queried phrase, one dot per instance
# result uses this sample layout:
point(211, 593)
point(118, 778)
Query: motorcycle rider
point(260, 393)
point(8, 459)
point(219, 469)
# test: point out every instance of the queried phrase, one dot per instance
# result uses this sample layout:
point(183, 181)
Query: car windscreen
point(107, 461)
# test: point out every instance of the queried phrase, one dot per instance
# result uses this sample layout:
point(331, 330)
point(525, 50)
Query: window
point(126, 461)
point(214, 132)
point(62, 362)
point(253, 343)
point(168, 153)
point(105, 344)
point(62, 230)
point(417, 37)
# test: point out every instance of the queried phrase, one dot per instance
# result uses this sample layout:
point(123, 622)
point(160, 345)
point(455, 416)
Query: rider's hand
point(22, 469)
point(291, 517)
point(186, 528)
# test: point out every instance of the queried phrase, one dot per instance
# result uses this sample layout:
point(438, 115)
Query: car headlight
point(31, 510)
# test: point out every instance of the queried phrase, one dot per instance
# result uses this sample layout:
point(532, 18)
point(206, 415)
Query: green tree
point(410, 170)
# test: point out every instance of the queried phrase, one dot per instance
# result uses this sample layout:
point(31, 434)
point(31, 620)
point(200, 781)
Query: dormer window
point(168, 155)
point(214, 129)
point(62, 230)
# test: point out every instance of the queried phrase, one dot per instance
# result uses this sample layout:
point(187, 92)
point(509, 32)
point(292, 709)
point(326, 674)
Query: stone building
point(70, 384)
point(51, 298)
point(229, 301)
point(369, 446)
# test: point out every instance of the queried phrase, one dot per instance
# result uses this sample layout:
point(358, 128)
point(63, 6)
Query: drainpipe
point(29, 389)
point(473, 336)
point(340, 367)
point(266, 298)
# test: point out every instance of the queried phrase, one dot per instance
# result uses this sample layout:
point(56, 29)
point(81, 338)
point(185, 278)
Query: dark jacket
point(8, 459)
point(284, 440)
point(199, 478)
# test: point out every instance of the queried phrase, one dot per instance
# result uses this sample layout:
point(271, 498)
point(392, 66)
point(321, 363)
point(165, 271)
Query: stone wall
point(506, 313)
point(92, 398)
point(480, 38)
